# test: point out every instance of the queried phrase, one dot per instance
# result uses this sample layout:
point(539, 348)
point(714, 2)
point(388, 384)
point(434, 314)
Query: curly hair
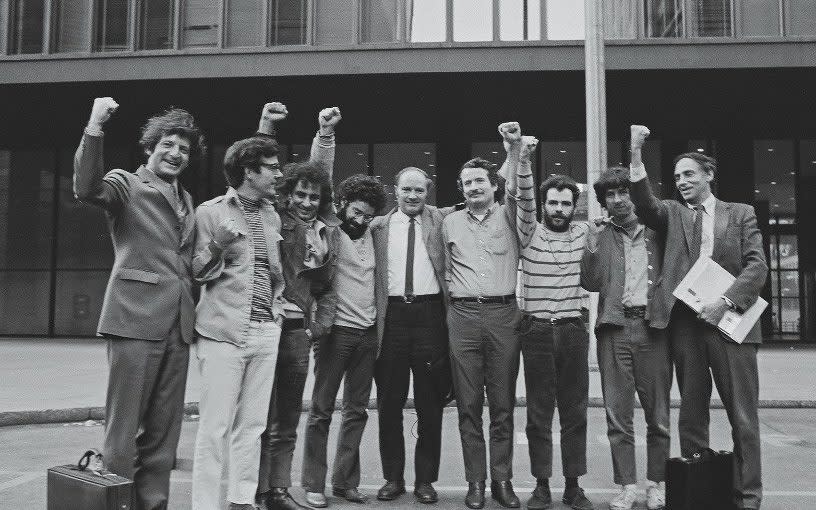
point(174, 121)
point(559, 182)
point(491, 168)
point(362, 187)
point(247, 153)
point(613, 178)
point(309, 172)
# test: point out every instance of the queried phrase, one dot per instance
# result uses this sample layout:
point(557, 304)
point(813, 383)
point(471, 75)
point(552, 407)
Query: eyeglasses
point(271, 167)
point(357, 214)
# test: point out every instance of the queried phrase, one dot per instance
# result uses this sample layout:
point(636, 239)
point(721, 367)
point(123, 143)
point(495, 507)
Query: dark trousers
point(285, 406)
point(415, 338)
point(556, 372)
point(700, 351)
point(349, 352)
point(144, 407)
point(484, 353)
point(635, 359)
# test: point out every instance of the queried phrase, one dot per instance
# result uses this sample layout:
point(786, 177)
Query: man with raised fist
point(148, 310)
point(700, 225)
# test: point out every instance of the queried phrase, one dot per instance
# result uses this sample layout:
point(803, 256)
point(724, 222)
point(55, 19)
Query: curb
point(81, 414)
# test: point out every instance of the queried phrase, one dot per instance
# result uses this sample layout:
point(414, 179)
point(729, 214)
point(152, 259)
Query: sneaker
point(656, 496)
point(625, 498)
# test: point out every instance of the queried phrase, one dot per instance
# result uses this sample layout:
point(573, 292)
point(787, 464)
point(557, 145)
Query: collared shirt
point(424, 278)
point(481, 255)
point(354, 282)
point(635, 287)
point(179, 207)
point(707, 242)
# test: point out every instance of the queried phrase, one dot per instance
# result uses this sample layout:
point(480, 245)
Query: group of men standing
point(287, 264)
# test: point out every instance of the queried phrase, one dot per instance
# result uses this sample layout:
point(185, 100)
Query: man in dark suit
point(702, 226)
point(410, 264)
point(148, 310)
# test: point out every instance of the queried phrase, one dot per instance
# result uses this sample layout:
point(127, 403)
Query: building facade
point(421, 83)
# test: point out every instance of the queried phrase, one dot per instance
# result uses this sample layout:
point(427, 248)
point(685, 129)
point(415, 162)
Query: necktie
point(409, 258)
point(697, 233)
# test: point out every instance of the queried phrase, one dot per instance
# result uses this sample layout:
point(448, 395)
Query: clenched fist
point(226, 232)
point(528, 147)
point(103, 108)
point(639, 134)
point(328, 119)
point(510, 132)
point(274, 112)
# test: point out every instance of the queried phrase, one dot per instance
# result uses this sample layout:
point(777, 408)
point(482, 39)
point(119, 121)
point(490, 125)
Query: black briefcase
point(77, 487)
point(705, 481)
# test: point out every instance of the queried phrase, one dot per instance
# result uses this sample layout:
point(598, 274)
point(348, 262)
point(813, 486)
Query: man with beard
point(148, 312)
point(349, 351)
point(621, 261)
point(554, 339)
point(481, 248)
point(310, 235)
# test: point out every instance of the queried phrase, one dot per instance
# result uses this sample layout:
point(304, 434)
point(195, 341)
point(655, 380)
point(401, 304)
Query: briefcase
point(705, 481)
point(76, 487)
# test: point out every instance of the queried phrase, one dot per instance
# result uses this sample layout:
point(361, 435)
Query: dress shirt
point(707, 242)
point(635, 287)
point(424, 278)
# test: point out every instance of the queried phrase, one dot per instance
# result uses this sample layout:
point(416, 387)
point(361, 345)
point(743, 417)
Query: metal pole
point(595, 127)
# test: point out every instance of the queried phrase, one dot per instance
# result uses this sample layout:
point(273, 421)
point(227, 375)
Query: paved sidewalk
point(53, 380)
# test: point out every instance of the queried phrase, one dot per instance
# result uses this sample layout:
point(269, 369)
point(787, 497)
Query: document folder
point(708, 280)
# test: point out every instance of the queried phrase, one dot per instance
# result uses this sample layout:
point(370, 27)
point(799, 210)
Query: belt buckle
point(408, 299)
point(480, 299)
point(553, 321)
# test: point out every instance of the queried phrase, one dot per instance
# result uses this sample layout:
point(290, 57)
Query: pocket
point(499, 242)
point(138, 275)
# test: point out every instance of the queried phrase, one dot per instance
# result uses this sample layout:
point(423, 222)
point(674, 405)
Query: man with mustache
point(481, 249)
point(554, 339)
point(309, 231)
point(702, 226)
point(148, 310)
point(622, 261)
point(348, 351)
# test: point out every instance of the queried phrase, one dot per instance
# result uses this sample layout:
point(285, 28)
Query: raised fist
point(274, 112)
point(103, 108)
point(511, 132)
point(528, 146)
point(226, 232)
point(639, 135)
point(328, 118)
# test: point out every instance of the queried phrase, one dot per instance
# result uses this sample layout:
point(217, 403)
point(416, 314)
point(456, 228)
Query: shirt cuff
point(637, 172)
point(325, 140)
point(92, 131)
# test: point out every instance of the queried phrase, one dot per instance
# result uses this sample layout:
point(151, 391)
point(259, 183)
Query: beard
point(548, 220)
point(353, 230)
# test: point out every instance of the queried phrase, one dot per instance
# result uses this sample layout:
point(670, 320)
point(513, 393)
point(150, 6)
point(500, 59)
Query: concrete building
point(422, 83)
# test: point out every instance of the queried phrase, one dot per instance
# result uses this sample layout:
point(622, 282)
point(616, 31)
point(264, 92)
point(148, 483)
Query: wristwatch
point(729, 303)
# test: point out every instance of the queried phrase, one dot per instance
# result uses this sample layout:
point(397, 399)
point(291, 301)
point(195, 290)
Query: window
point(621, 19)
point(800, 17)
point(472, 20)
point(200, 26)
point(113, 25)
point(759, 17)
point(27, 18)
point(427, 20)
point(335, 22)
point(244, 23)
point(688, 18)
point(390, 158)
point(71, 21)
point(784, 264)
point(774, 179)
point(379, 20)
point(289, 21)
point(157, 24)
point(565, 20)
point(520, 20)
point(664, 18)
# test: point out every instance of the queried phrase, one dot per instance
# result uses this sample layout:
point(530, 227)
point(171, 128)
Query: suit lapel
point(427, 226)
point(381, 248)
point(722, 212)
point(189, 220)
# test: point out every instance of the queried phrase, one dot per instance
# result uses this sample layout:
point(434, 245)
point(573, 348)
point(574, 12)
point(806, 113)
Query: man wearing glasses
point(349, 351)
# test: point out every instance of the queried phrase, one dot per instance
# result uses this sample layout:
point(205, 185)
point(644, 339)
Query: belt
point(485, 299)
point(634, 312)
point(555, 321)
point(290, 324)
point(415, 299)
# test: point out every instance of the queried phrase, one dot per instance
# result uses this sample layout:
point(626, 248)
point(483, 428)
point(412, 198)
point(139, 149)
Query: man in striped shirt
point(554, 339)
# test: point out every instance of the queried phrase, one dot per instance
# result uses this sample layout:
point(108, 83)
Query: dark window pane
point(664, 18)
point(349, 159)
point(774, 179)
point(790, 284)
point(801, 17)
point(760, 17)
point(791, 315)
point(113, 25)
point(24, 302)
point(27, 18)
point(71, 22)
point(709, 18)
point(379, 20)
point(788, 252)
point(200, 26)
point(390, 158)
point(288, 21)
point(244, 23)
point(79, 297)
point(807, 158)
point(157, 24)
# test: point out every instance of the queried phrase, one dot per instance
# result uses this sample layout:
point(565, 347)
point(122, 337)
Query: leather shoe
point(540, 499)
point(352, 495)
point(576, 499)
point(391, 490)
point(425, 493)
point(316, 499)
point(475, 497)
point(502, 491)
point(278, 498)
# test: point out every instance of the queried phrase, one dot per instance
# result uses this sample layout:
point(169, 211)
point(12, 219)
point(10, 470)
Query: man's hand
point(593, 231)
point(712, 312)
point(328, 119)
point(226, 232)
point(639, 134)
point(274, 112)
point(511, 135)
point(103, 108)
point(528, 147)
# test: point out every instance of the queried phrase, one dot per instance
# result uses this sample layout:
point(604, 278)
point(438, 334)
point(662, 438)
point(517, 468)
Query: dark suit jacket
point(151, 283)
point(431, 235)
point(737, 248)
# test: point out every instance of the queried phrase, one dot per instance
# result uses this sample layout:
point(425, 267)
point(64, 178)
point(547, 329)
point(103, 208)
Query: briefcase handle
point(86, 458)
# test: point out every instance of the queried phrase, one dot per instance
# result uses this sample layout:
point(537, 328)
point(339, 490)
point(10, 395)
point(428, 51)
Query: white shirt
point(424, 277)
point(707, 242)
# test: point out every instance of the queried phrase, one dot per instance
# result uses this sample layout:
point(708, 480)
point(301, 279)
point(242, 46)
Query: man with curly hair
point(349, 351)
point(148, 310)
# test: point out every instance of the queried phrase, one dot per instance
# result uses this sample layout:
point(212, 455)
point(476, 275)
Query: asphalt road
point(788, 442)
